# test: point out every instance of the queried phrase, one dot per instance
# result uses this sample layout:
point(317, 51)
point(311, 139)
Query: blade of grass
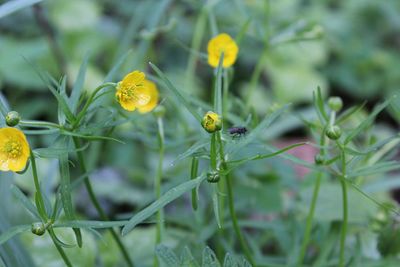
point(78, 85)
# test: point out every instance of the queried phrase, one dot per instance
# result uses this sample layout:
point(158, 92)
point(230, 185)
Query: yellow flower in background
point(131, 91)
point(152, 91)
point(222, 43)
point(211, 122)
point(14, 150)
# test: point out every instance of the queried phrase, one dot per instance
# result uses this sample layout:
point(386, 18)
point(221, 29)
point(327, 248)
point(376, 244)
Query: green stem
point(59, 248)
point(96, 204)
point(157, 186)
point(345, 212)
point(39, 124)
point(193, 175)
point(310, 217)
point(88, 102)
point(231, 205)
point(40, 203)
point(43, 213)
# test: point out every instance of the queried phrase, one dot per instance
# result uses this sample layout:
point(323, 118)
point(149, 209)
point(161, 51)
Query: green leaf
point(15, 5)
point(90, 224)
point(78, 85)
point(347, 113)
point(176, 92)
point(380, 167)
point(367, 122)
point(218, 87)
point(229, 261)
point(320, 106)
point(187, 259)
point(254, 134)
point(169, 196)
point(14, 231)
point(209, 258)
point(192, 150)
point(25, 201)
point(216, 207)
point(167, 256)
point(65, 191)
point(90, 137)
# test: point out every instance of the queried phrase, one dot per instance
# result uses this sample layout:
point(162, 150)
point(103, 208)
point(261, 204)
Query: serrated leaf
point(209, 258)
point(169, 196)
point(187, 259)
point(167, 256)
point(229, 261)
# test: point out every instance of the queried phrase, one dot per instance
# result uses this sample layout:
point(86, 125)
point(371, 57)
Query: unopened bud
point(333, 132)
point(335, 103)
point(12, 118)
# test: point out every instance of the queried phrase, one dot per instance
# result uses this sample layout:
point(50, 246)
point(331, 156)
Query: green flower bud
point(12, 118)
point(159, 111)
point(333, 132)
point(38, 229)
point(213, 177)
point(335, 103)
point(319, 159)
point(211, 122)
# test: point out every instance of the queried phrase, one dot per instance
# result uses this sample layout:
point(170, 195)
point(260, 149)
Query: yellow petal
point(153, 93)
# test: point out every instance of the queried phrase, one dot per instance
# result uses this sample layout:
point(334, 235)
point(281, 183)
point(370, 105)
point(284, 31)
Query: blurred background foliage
point(352, 50)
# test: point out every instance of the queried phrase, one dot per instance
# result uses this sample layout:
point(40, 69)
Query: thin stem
point(193, 175)
point(157, 184)
point(310, 218)
point(40, 203)
point(231, 205)
point(345, 211)
point(39, 124)
point(88, 102)
point(96, 204)
point(59, 248)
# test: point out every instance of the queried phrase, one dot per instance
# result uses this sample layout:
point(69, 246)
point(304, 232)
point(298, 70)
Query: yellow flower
point(151, 90)
point(222, 43)
point(211, 122)
point(131, 91)
point(14, 150)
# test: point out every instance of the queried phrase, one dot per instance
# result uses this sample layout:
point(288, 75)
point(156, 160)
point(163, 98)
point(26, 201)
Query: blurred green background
point(348, 48)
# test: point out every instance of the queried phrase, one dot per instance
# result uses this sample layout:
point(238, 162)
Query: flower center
point(13, 148)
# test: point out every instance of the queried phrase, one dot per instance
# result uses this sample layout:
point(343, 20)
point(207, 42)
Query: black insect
point(237, 131)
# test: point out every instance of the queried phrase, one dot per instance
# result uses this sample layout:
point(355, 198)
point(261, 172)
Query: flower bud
point(159, 111)
point(38, 229)
point(12, 118)
point(333, 132)
point(335, 103)
point(211, 122)
point(319, 159)
point(213, 177)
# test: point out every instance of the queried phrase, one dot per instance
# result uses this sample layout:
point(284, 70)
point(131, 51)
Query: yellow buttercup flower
point(131, 91)
point(151, 90)
point(14, 150)
point(211, 122)
point(222, 43)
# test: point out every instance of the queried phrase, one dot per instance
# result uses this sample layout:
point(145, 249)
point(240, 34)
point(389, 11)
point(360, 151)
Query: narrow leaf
point(169, 196)
point(176, 92)
point(13, 231)
point(25, 201)
point(78, 85)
